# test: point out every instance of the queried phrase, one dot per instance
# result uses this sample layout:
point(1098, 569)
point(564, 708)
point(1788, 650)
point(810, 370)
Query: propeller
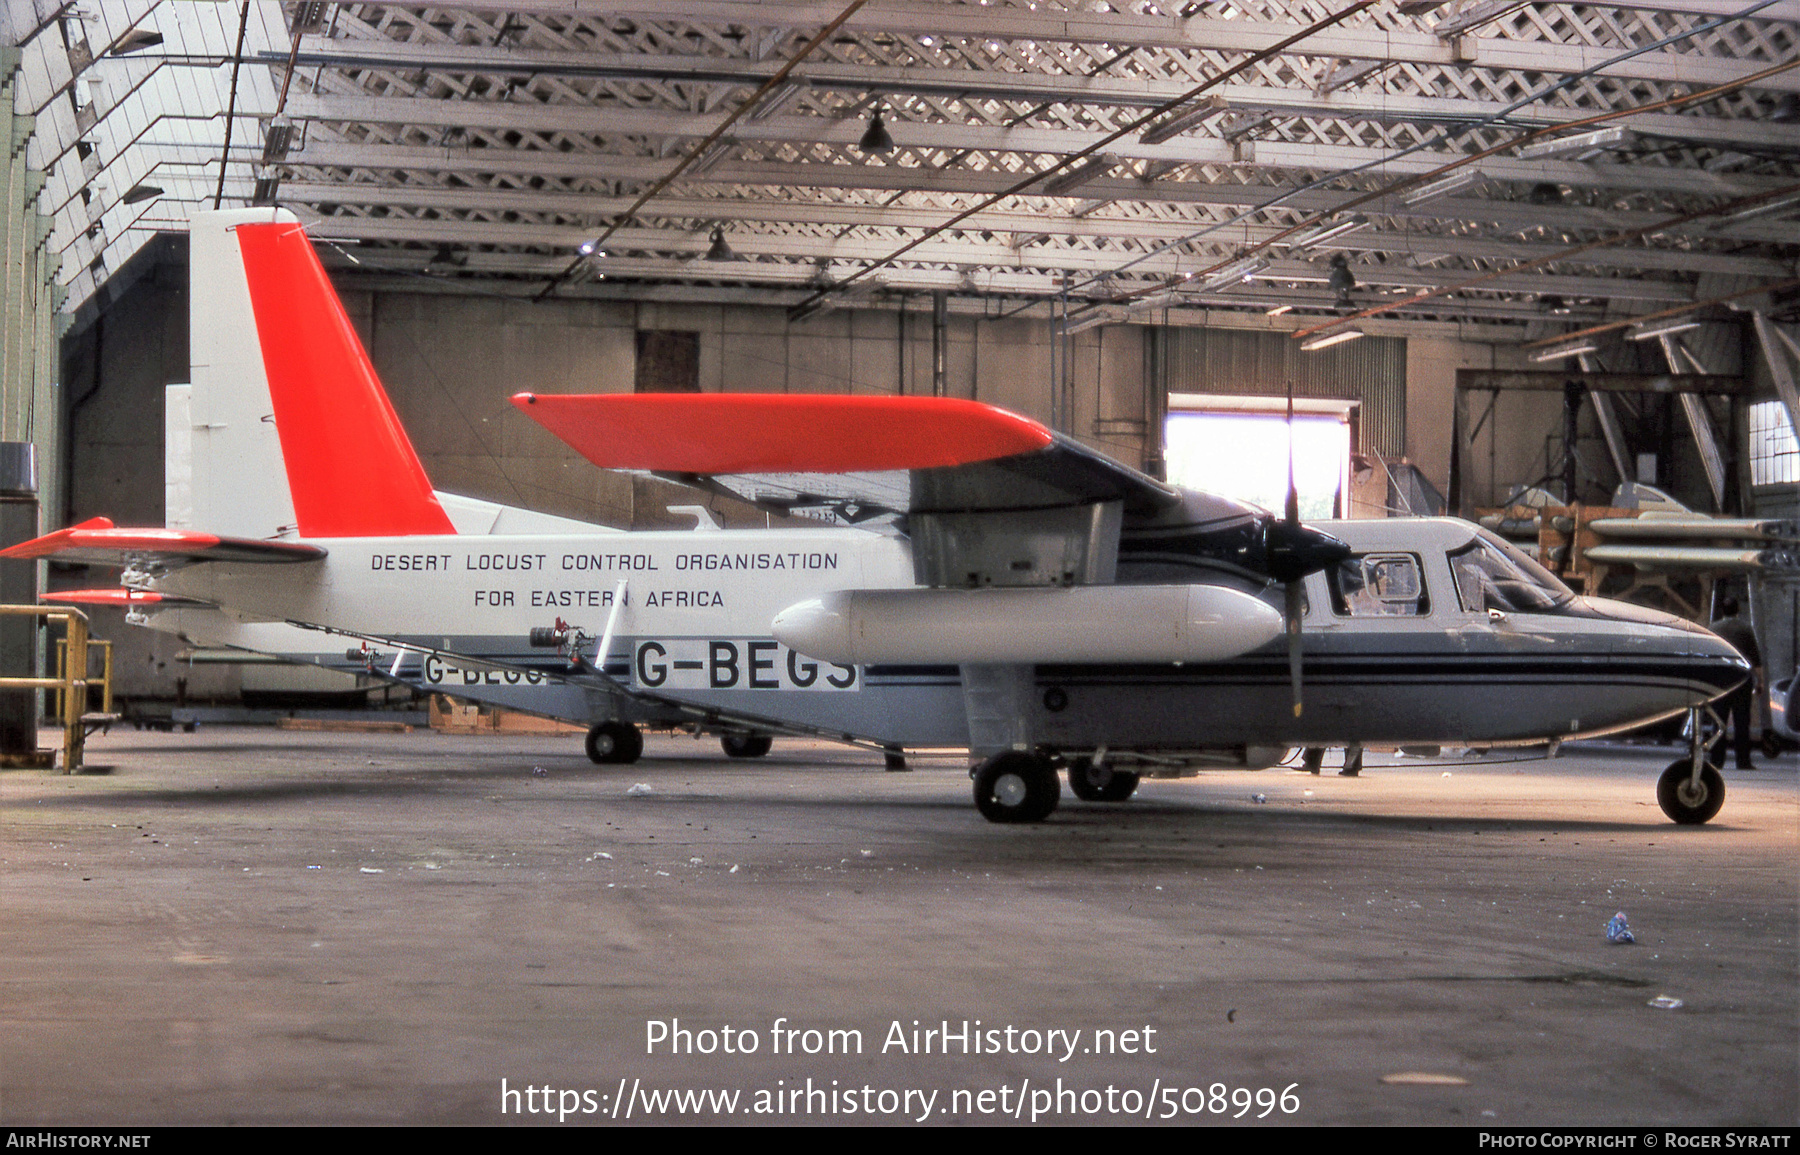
point(1296, 592)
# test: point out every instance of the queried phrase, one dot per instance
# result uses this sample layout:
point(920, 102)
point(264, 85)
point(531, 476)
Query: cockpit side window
point(1490, 577)
point(1379, 585)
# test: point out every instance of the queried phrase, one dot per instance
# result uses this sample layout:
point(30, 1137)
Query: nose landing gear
point(1691, 791)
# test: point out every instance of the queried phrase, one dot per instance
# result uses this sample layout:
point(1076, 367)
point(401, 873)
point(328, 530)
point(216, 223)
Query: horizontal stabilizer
point(98, 542)
point(119, 596)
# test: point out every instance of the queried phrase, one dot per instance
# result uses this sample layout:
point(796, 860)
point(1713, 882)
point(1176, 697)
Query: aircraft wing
point(99, 542)
point(849, 457)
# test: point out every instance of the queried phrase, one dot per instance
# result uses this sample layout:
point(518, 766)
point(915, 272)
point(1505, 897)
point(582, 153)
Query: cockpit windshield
point(1494, 575)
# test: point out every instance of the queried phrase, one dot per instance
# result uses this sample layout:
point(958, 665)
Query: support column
point(1771, 339)
point(1699, 422)
point(940, 321)
point(18, 587)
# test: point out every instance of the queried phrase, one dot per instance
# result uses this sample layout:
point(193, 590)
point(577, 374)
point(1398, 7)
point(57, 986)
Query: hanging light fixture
point(1326, 231)
point(1456, 182)
point(1341, 280)
point(1545, 193)
point(1244, 270)
point(875, 140)
point(1327, 340)
point(1570, 348)
point(720, 251)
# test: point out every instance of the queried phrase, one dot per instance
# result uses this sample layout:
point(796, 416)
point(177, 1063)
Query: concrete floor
point(247, 925)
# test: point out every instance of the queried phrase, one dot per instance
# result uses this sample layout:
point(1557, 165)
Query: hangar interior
point(1097, 213)
point(1487, 251)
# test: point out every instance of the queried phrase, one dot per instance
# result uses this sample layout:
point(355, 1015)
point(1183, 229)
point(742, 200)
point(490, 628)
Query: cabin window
point(1379, 585)
point(1491, 575)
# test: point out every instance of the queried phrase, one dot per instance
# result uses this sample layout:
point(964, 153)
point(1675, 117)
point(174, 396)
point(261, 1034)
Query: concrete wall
point(115, 371)
point(451, 363)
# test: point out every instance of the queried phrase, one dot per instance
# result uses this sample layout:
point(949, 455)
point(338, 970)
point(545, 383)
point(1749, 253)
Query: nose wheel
point(1016, 786)
point(1691, 791)
point(1687, 799)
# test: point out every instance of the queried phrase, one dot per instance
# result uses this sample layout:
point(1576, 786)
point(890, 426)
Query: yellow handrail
point(106, 672)
point(72, 688)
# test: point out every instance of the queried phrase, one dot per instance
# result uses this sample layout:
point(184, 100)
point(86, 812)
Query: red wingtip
point(99, 542)
point(100, 533)
point(107, 597)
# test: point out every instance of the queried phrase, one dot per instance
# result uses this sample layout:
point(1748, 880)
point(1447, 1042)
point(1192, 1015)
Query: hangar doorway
point(1237, 446)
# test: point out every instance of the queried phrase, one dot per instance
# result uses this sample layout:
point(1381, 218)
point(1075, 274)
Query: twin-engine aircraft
point(984, 583)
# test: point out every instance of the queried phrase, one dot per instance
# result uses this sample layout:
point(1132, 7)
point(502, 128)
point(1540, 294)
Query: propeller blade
point(1296, 593)
point(1293, 491)
point(1296, 605)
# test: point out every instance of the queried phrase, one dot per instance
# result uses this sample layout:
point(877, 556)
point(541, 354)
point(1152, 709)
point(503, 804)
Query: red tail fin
point(351, 469)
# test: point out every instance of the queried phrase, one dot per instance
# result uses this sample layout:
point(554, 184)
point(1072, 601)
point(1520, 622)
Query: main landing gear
point(1691, 791)
point(1097, 782)
point(1020, 786)
point(614, 742)
point(740, 745)
point(1016, 786)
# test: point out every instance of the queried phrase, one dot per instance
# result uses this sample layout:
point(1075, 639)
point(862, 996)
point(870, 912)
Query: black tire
point(1683, 805)
point(738, 745)
point(1102, 783)
point(1016, 787)
point(614, 742)
point(1772, 745)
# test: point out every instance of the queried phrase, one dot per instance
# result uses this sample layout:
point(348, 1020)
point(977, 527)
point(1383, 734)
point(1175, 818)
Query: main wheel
point(1016, 787)
point(1101, 783)
point(614, 742)
point(1686, 802)
point(738, 745)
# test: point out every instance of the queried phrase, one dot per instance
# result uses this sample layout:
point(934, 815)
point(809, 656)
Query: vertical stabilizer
point(237, 481)
point(178, 457)
point(292, 431)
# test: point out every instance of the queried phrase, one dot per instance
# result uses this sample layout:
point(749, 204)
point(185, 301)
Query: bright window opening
point(1245, 455)
point(1774, 453)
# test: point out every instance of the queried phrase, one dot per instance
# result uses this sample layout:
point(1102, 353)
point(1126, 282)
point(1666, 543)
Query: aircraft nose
point(1294, 551)
point(1728, 668)
point(1699, 658)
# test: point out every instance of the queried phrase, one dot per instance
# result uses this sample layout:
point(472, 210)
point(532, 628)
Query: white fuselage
point(695, 610)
